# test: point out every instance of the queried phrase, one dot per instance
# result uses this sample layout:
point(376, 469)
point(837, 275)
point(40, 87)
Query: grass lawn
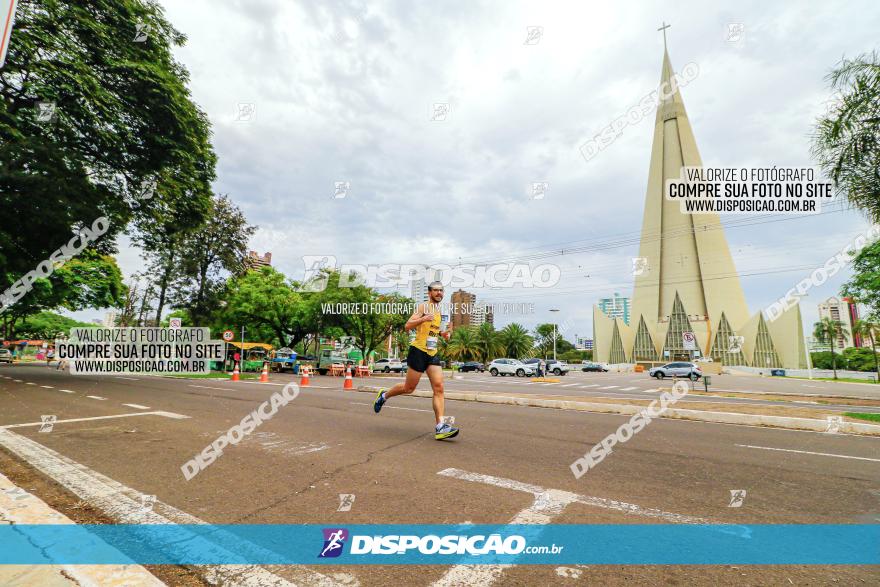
point(212, 375)
point(843, 379)
point(860, 416)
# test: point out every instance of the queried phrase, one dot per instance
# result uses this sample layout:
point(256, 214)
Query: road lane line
point(29, 383)
point(548, 504)
point(47, 387)
point(570, 384)
point(171, 415)
point(97, 397)
point(628, 388)
point(125, 505)
point(591, 385)
point(17, 380)
point(393, 407)
point(127, 378)
point(610, 387)
point(807, 452)
point(137, 406)
point(66, 391)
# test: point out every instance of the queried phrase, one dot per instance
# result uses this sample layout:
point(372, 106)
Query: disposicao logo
point(334, 541)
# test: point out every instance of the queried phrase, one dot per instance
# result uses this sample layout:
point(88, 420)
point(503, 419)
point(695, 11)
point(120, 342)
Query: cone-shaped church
point(686, 281)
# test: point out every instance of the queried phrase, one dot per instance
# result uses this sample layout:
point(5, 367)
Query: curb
point(786, 422)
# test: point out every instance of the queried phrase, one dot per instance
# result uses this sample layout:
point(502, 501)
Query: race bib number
point(431, 343)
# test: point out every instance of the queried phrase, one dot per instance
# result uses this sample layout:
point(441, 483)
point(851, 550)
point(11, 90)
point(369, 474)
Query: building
point(110, 318)
point(255, 261)
point(616, 307)
point(419, 285)
point(847, 313)
point(582, 343)
point(687, 298)
point(483, 314)
point(463, 306)
point(815, 346)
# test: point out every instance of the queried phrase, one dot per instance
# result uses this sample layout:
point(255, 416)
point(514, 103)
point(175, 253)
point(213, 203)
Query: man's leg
point(408, 386)
point(435, 376)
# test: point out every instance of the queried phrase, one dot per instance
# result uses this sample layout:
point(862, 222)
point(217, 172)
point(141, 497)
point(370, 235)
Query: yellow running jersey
point(428, 334)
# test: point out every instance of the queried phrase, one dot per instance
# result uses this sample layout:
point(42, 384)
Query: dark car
point(594, 367)
point(471, 366)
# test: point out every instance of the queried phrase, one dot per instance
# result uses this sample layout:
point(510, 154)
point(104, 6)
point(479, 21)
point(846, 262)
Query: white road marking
point(137, 406)
point(97, 397)
point(17, 380)
point(127, 378)
point(570, 384)
point(807, 452)
point(547, 384)
point(47, 387)
point(125, 505)
point(66, 391)
point(548, 504)
point(611, 387)
point(386, 406)
point(171, 415)
point(20, 507)
point(591, 385)
point(29, 383)
point(628, 388)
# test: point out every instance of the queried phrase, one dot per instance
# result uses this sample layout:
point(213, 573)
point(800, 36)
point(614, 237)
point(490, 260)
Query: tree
point(116, 113)
point(220, 244)
point(869, 329)
point(463, 344)
point(266, 302)
point(829, 330)
point(90, 280)
point(488, 342)
point(846, 140)
point(47, 326)
point(865, 282)
point(516, 340)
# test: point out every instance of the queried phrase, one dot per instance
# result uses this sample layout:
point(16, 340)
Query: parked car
point(690, 370)
point(510, 367)
point(558, 367)
point(388, 365)
point(471, 366)
point(588, 366)
point(5, 356)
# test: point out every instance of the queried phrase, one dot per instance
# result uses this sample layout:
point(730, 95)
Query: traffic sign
point(175, 322)
point(689, 340)
point(7, 16)
point(228, 335)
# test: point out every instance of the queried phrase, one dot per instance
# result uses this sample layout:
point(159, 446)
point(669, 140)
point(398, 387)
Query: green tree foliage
point(846, 140)
point(47, 326)
point(828, 330)
point(864, 285)
point(463, 344)
point(516, 341)
point(488, 342)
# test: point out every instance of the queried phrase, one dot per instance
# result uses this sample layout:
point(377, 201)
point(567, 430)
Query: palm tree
point(401, 342)
point(871, 330)
point(462, 344)
point(516, 341)
point(845, 141)
point(488, 342)
point(830, 330)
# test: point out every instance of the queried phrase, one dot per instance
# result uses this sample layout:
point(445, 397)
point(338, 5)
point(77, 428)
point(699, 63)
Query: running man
point(422, 358)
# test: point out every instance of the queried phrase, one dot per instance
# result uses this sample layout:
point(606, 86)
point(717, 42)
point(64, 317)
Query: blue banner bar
point(618, 544)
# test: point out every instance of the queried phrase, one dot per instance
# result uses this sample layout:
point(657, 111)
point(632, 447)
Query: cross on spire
point(663, 28)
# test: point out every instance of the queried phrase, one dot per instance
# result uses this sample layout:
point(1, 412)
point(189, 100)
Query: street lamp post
point(554, 333)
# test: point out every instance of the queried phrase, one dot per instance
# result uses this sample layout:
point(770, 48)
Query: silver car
point(510, 367)
point(5, 356)
point(681, 369)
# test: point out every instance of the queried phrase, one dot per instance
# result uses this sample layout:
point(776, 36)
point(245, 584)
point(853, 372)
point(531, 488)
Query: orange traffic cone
point(235, 372)
point(348, 383)
point(264, 376)
point(304, 380)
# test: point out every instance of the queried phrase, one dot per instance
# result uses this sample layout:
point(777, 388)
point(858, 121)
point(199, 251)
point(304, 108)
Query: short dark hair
point(435, 285)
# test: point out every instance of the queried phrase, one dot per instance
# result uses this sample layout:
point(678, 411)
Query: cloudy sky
point(346, 92)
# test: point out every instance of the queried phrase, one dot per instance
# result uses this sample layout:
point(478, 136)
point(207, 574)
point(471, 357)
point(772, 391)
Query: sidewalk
point(17, 506)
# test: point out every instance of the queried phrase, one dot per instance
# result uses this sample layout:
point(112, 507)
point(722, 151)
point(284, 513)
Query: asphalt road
point(138, 431)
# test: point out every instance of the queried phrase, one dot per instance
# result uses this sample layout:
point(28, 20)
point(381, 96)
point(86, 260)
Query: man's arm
point(418, 317)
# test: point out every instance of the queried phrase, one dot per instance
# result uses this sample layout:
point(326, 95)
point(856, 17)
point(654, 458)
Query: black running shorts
point(419, 360)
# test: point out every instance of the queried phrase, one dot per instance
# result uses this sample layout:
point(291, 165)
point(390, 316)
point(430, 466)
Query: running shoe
point(444, 432)
point(380, 401)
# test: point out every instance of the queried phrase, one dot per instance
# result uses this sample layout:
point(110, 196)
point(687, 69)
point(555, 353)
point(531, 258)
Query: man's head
point(435, 291)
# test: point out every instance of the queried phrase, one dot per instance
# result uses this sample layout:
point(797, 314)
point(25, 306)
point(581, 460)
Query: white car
point(388, 365)
point(510, 367)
